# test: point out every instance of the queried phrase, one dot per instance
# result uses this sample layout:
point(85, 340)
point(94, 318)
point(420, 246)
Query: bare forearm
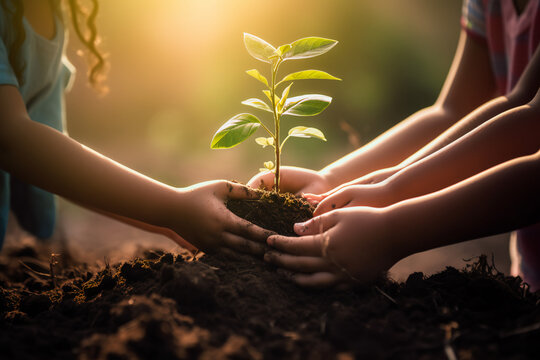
point(459, 96)
point(462, 127)
point(523, 93)
point(392, 147)
point(46, 158)
point(507, 136)
point(500, 199)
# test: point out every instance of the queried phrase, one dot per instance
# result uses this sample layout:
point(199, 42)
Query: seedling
point(242, 126)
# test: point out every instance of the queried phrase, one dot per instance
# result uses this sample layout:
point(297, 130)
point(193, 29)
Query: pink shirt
point(511, 39)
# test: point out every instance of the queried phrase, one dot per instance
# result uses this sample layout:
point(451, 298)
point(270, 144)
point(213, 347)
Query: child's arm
point(361, 242)
point(521, 94)
point(511, 134)
point(458, 97)
point(42, 156)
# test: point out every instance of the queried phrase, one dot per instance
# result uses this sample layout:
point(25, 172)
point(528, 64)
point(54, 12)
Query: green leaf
point(268, 166)
point(257, 75)
point(307, 132)
point(257, 103)
point(258, 48)
point(308, 74)
point(268, 95)
point(234, 131)
point(265, 141)
point(283, 49)
point(306, 105)
point(309, 47)
point(284, 97)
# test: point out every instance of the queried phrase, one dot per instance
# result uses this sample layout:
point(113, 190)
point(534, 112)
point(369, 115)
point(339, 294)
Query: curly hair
point(83, 24)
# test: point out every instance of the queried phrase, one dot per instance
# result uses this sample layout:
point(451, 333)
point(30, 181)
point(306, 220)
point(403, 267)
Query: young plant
point(241, 126)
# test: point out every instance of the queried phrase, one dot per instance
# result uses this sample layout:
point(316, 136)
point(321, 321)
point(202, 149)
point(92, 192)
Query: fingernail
point(267, 257)
point(300, 228)
point(270, 241)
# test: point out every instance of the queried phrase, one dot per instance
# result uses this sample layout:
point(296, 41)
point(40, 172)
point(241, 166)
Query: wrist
point(419, 222)
point(405, 231)
point(390, 193)
point(331, 177)
point(396, 243)
point(173, 209)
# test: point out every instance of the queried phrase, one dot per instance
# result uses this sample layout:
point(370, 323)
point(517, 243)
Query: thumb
point(238, 191)
point(263, 180)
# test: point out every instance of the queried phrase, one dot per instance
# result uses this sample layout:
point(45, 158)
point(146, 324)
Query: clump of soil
point(180, 306)
point(273, 211)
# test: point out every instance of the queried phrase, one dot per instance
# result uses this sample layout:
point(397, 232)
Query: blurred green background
point(178, 72)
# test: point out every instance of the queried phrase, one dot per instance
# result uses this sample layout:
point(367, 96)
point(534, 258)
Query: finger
point(336, 201)
point(354, 203)
point(244, 245)
point(335, 190)
point(263, 180)
point(313, 199)
point(303, 264)
point(292, 179)
point(315, 225)
point(310, 245)
point(318, 280)
point(241, 227)
point(239, 191)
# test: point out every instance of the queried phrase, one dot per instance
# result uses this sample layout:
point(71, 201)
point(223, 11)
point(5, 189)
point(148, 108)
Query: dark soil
point(273, 211)
point(169, 306)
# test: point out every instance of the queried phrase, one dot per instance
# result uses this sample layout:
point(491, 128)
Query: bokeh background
point(178, 72)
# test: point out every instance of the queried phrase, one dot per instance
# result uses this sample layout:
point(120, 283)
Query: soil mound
point(179, 306)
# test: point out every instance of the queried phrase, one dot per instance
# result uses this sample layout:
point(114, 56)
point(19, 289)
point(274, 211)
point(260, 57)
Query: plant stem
point(276, 126)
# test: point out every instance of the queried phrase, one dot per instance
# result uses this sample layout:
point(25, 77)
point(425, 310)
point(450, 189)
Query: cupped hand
point(202, 218)
point(340, 247)
point(293, 179)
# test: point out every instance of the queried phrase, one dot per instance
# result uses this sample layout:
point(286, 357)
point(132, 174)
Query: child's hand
point(202, 218)
point(376, 195)
point(342, 246)
point(375, 178)
point(293, 179)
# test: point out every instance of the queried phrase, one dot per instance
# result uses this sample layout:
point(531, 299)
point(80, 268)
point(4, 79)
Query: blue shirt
point(46, 75)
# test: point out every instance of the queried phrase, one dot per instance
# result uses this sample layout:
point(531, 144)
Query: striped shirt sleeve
point(473, 19)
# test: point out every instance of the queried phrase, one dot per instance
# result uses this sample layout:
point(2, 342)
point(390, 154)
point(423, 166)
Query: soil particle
point(33, 304)
point(135, 271)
